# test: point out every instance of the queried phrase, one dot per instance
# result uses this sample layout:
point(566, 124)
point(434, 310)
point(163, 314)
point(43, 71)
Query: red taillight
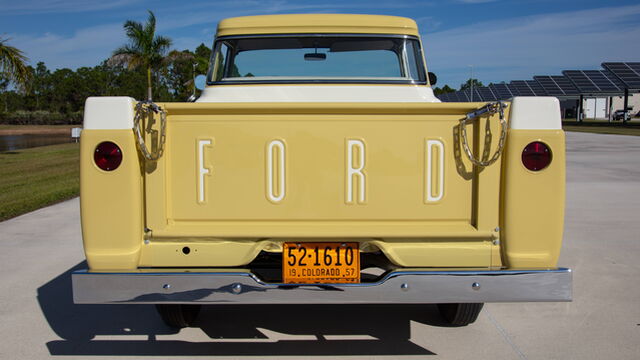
point(107, 156)
point(536, 156)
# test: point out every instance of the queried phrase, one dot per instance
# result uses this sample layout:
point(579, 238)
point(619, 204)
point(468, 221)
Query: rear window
point(317, 59)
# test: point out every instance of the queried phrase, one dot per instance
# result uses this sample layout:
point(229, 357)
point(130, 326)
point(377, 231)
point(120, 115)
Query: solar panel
point(513, 90)
point(486, 94)
point(581, 81)
point(593, 81)
point(476, 95)
point(628, 73)
point(557, 85)
point(549, 86)
point(501, 91)
point(522, 88)
point(536, 88)
point(445, 97)
point(565, 85)
point(451, 97)
point(465, 95)
point(611, 78)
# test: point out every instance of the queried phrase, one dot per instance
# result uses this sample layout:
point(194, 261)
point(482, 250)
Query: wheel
point(460, 314)
point(178, 315)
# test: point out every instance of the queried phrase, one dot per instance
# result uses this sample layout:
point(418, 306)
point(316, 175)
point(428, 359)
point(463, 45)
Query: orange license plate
point(321, 262)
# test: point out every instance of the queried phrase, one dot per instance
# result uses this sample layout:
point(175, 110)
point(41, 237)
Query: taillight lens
point(107, 156)
point(536, 156)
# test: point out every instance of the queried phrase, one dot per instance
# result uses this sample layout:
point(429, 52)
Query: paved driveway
point(39, 250)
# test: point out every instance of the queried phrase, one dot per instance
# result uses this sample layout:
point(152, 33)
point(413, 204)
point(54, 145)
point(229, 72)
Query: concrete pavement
point(602, 243)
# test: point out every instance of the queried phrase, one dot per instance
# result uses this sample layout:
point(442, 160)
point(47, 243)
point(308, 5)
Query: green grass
point(603, 127)
point(37, 177)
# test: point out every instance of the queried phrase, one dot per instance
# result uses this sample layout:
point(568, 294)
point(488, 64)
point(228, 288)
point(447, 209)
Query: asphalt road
point(39, 250)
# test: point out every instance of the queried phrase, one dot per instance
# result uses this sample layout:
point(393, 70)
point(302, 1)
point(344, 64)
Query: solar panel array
point(628, 73)
point(502, 91)
point(536, 87)
point(526, 88)
point(594, 82)
point(557, 85)
point(486, 94)
point(573, 83)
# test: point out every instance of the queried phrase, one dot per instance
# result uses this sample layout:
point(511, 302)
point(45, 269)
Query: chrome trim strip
point(410, 287)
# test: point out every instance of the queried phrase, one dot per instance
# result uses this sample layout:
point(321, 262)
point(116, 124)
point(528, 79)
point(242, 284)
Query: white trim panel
point(109, 113)
point(356, 171)
point(318, 93)
point(202, 170)
point(440, 171)
point(281, 171)
point(535, 113)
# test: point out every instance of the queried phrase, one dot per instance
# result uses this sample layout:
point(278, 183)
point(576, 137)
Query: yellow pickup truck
point(318, 167)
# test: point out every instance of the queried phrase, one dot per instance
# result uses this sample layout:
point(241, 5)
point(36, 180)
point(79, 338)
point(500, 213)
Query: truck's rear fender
point(532, 212)
point(111, 201)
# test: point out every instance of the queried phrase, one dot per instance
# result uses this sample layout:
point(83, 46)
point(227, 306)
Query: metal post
point(580, 108)
point(610, 115)
point(626, 104)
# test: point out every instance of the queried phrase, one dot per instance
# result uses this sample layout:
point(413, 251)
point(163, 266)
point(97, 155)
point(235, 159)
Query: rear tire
point(460, 314)
point(178, 315)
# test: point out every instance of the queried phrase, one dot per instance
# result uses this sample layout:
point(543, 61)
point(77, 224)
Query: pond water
point(17, 142)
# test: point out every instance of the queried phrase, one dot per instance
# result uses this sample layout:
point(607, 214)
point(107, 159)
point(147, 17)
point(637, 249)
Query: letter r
point(355, 170)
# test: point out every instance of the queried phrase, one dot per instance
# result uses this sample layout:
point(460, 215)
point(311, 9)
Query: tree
point(13, 64)
point(443, 90)
point(467, 84)
point(145, 49)
point(203, 54)
point(179, 73)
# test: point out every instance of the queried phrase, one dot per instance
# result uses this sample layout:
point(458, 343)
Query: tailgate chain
point(490, 109)
point(144, 108)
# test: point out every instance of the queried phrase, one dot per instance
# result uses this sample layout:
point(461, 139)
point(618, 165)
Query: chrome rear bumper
point(398, 287)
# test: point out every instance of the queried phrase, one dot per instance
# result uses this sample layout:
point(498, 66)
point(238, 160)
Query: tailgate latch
point(146, 109)
point(489, 109)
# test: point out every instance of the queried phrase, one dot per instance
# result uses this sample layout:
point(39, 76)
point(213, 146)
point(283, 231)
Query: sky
point(497, 40)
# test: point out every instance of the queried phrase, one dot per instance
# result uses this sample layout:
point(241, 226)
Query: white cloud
point(86, 47)
point(522, 47)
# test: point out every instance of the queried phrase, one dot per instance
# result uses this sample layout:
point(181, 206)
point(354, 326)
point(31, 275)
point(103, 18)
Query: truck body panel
point(436, 196)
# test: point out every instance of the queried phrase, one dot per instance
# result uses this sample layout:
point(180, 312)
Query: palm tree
point(13, 65)
point(144, 48)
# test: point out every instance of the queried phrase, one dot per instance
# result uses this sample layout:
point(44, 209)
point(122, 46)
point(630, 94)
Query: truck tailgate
point(322, 170)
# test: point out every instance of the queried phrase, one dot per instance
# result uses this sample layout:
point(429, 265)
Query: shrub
point(40, 117)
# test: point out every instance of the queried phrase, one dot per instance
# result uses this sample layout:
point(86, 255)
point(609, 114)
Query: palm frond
point(161, 44)
point(144, 48)
point(150, 31)
point(13, 63)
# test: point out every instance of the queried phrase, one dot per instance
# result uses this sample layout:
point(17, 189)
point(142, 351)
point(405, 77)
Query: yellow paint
point(238, 220)
point(317, 24)
point(111, 203)
point(314, 206)
point(533, 202)
point(202, 253)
